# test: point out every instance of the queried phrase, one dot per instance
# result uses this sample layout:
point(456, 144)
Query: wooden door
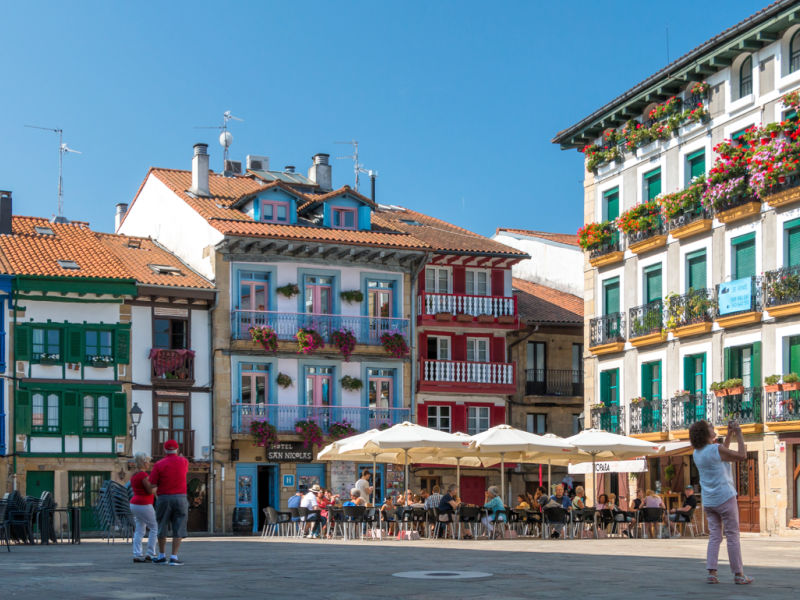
point(38, 482)
point(747, 488)
point(473, 489)
point(84, 488)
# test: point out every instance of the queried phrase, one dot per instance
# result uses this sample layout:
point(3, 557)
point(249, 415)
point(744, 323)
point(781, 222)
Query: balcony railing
point(646, 417)
point(466, 372)
point(609, 418)
point(733, 303)
point(744, 407)
point(284, 416)
point(554, 382)
point(614, 245)
point(736, 200)
point(689, 217)
point(429, 304)
point(634, 237)
point(184, 437)
point(782, 286)
point(695, 306)
point(783, 406)
point(368, 330)
point(607, 329)
point(646, 319)
point(172, 366)
point(686, 410)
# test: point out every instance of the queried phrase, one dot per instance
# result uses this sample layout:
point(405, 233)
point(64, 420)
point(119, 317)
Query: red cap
point(170, 445)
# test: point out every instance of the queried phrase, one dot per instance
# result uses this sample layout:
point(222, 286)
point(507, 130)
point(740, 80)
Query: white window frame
point(439, 410)
point(448, 346)
point(478, 419)
point(477, 346)
point(532, 420)
point(437, 272)
point(473, 290)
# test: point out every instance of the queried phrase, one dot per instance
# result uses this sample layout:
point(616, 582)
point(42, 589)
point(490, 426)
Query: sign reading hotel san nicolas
point(289, 452)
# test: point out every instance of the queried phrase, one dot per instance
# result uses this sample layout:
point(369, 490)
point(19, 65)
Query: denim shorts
point(172, 511)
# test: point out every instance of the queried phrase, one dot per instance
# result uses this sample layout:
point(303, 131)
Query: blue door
point(247, 489)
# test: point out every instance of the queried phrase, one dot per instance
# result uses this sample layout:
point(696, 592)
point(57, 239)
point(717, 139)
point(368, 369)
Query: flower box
point(648, 149)
point(464, 318)
point(693, 228)
point(506, 319)
point(607, 259)
point(485, 318)
point(735, 391)
point(443, 316)
point(99, 364)
point(791, 387)
point(737, 213)
point(773, 388)
point(720, 393)
point(608, 168)
point(657, 241)
point(783, 198)
point(48, 361)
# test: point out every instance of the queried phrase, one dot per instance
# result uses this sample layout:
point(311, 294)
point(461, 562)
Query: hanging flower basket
point(351, 384)
point(289, 290)
point(264, 433)
point(344, 341)
point(283, 380)
point(265, 336)
point(351, 296)
point(308, 340)
point(341, 430)
point(395, 344)
point(310, 433)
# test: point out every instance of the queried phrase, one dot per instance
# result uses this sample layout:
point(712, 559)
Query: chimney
point(122, 208)
point(320, 172)
point(5, 212)
point(200, 171)
point(288, 169)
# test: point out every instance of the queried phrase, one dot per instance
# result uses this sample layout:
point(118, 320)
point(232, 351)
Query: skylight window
point(43, 230)
point(410, 222)
point(68, 264)
point(134, 243)
point(165, 270)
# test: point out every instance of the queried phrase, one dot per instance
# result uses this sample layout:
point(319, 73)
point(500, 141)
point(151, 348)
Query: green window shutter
point(652, 283)
point(122, 348)
point(74, 342)
point(688, 373)
point(71, 413)
point(793, 247)
point(22, 342)
point(726, 362)
point(611, 293)
point(744, 259)
point(22, 412)
point(605, 387)
point(655, 380)
point(647, 381)
point(755, 366)
point(697, 163)
point(611, 204)
point(119, 414)
point(652, 183)
point(794, 354)
point(696, 270)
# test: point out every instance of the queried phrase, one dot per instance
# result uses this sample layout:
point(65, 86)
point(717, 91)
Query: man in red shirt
point(172, 507)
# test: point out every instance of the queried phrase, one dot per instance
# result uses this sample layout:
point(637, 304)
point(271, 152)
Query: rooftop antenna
point(225, 136)
point(358, 168)
point(62, 150)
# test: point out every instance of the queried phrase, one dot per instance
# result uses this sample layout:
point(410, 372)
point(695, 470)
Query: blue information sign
point(735, 296)
point(288, 481)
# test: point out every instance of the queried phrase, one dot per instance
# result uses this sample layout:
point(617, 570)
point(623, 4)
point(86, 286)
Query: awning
point(638, 465)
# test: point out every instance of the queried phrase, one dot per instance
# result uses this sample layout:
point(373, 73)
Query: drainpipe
point(413, 333)
point(13, 365)
point(212, 471)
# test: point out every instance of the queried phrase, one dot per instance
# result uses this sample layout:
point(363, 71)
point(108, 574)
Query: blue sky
point(454, 103)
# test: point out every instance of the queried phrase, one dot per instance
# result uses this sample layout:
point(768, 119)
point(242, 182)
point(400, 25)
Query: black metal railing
point(645, 234)
point(646, 417)
point(783, 406)
point(730, 303)
point(785, 182)
point(695, 306)
point(688, 409)
point(690, 216)
point(613, 245)
point(735, 200)
point(554, 382)
point(744, 408)
point(609, 418)
point(782, 286)
point(607, 329)
point(646, 319)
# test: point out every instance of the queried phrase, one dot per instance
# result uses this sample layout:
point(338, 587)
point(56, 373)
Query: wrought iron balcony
point(782, 286)
point(613, 245)
point(482, 308)
point(690, 216)
point(695, 306)
point(487, 377)
point(368, 330)
point(646, 319)
point(609, 418)
point(171, 367)
point(647, 416)
point(731, 302)
point(686, 410)
point(184, 437)
point(744, 407)
point(783, 406)
point(553, 382)
point(285, 416)
point(634, 237)
point(607, 329)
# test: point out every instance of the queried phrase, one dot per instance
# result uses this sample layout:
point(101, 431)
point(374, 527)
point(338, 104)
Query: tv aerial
point(62, 150)
point(358, 168)
point(225, 136)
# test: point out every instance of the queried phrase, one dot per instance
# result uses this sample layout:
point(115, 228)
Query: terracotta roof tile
point(562, 238)
point(542, 304)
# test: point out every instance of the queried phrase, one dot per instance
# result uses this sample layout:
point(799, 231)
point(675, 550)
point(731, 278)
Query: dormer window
point(344, 218)
point(165, 270)
point(274, 212)
point(68, 264)
point(43, 230)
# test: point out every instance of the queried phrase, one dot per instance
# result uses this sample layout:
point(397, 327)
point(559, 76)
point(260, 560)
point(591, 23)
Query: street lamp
point(136, 418)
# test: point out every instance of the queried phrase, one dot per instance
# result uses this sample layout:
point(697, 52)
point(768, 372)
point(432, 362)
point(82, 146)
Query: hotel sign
point(289, 452)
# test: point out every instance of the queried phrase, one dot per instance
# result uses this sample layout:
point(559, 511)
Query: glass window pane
point(38, 410)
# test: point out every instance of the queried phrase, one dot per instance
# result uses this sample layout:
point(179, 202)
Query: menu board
point(394, 481)
point(343, 478)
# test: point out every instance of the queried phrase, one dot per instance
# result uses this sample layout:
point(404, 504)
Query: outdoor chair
point(276, 523)
point(354, 521)
point(468, 517)
point(499, 522)
point(294, 517)
point(444, 521)
point(4, 526)
point(335, 522)
point(374, 520)
point(304, 522)
point(555, 518)
point(648, 516)
point(533, 520)
point(430, 522)
point(418, 518)
point(584, 519)
point(687, 522)
point(516, 520)
point(605, 518)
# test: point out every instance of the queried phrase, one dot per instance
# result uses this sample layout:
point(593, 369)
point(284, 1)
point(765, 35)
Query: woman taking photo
point(142, 509)
point(719, 494)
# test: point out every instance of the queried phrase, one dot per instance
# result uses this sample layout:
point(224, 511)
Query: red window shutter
point(459, 280)
point(459, 412)
point(459, 343)
point(498, 282)
point(423, 345)
point(422, 414)
point(498, 351)
point(497, 415)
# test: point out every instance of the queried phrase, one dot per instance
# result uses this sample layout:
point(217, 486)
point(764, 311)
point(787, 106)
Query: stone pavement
point(278, 568)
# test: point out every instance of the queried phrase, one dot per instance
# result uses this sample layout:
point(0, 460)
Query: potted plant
point(344, 341)
point(264, 434)
point(266, 336)
point(308, 340)
point(682, 393)
point(669, 474)
point(734, 387)
point(772, 383)
point(596, 235)
point(341, 430)
point(699, 88)
point(718, 387)
point(100, 361)
point(791, 382)
point(395, 344)
point(638, 400)
point(351, 296)
point(309, 432)
point(598, 406)
point(352, 384)
point(283, 380)
point(642, 218)
point(289, 290)
point(48, 359)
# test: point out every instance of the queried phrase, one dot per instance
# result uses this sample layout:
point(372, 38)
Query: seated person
point(559, 498)
point(681, 515)
point(417, 502)
point(449, 504)
point(492, 504)
point(639, 500)
point(579, 501)
point(602, 500)
point(522, 503)
point(310, 501)
point(651, 500)
point(355, 498)
point(294, 501)
point(434, 499)
point(389, 514)
point(612, 502)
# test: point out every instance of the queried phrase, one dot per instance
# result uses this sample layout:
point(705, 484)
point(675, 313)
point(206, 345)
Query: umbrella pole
point(405, 475)
point(458, 471)
point(549, 478)
point(374, 478)
point(594, 481)
point(503, 476)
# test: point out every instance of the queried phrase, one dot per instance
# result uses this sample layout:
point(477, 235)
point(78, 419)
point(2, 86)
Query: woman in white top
point(719, 494)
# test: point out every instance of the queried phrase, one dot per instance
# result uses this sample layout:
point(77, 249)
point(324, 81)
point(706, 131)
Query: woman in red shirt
point(142, 508)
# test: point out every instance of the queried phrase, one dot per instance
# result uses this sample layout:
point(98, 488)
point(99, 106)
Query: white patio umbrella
point(516, 445)
point(602, 444)
point(465, 456)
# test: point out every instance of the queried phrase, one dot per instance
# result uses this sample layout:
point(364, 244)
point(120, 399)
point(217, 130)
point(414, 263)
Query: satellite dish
point(225, 139)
